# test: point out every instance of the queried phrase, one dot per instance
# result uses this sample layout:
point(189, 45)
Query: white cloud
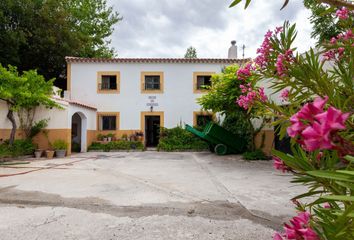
point(164, 28)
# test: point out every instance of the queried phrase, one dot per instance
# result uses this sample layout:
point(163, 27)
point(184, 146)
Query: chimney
point(233, 50)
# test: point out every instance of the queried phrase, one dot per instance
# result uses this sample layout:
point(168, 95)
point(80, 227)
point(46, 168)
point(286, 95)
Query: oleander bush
point(179, 139)
point(317, 88)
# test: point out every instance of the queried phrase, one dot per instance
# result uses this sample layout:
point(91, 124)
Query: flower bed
point(120, 145)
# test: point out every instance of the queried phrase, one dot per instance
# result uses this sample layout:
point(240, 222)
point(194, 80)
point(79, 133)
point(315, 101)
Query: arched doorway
point(78, 132)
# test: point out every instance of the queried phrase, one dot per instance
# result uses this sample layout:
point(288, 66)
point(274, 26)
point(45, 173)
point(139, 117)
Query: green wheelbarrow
point(219, 139)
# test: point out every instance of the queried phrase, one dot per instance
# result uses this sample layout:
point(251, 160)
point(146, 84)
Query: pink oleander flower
point(306, 114)
point(333, 40)
point(314, 128)
point(329, 55)
point(326, 205)
point(342, 13)
point(282, 61)
point(264, 51)
point(284, 95)
point(245, 72)
point(341, 51)
point(332, 119)
point(298, 229)
point(277, 236)
point(318, 136)
point(246, 101)
point(278, 30)
point(348, 35)
point(261, 95)
point(319, 156)
point(334, 54)
point(280, 165)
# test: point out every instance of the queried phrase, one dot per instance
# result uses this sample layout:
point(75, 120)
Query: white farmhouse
point(125, 96)
point(139, 95)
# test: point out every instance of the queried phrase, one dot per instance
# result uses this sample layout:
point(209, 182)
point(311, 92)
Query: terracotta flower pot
point(49, 153)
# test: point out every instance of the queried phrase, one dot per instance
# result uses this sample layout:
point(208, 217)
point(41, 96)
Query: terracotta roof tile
point(76, 103)
point(156, 60)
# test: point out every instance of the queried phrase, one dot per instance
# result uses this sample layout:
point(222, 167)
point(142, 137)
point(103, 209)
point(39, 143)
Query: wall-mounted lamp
point(151, 108)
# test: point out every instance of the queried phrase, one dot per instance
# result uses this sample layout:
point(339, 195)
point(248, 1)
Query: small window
point(152, 82)
point(109, 82)
point(203, 120)
point(203, 81)
point(108, 123)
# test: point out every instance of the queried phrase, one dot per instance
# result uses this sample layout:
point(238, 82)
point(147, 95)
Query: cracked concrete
point(146, 195)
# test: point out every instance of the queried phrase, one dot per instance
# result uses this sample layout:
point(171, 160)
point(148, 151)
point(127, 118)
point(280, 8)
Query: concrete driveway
point(144, 195)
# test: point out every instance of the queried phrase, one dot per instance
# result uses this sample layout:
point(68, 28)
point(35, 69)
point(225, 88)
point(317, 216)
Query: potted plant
point(60, 147)
point(49, 152)
point(125, 137)
point(140, 136)
point(105, 138)
point(110, 136)
point(38, 153)
point(100, 137)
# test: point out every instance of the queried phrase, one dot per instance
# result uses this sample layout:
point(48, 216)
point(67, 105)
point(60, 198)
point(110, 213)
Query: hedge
point(178, 139)
point(117, 145)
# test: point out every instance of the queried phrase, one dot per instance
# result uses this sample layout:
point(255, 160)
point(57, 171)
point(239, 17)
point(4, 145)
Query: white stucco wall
point(90, 115)
point(58, 118)
point(177, 102)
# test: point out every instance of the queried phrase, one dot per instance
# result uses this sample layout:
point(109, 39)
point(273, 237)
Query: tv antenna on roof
point(243, 51)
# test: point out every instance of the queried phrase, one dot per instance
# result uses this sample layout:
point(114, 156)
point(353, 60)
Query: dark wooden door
point(152, 130)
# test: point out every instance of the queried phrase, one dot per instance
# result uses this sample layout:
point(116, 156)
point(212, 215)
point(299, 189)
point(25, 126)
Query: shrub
point(117, 145)
point(258, 154)
point(179, 139)
point(60, 145)
point(75, 147)
point(238, 124)
point(38, 127)
point(19, 148)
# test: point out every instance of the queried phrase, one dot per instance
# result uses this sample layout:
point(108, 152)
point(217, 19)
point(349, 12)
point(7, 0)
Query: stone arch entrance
point(78, 132)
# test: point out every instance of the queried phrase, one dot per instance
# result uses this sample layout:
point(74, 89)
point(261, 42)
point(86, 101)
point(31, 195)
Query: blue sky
point(165, 28)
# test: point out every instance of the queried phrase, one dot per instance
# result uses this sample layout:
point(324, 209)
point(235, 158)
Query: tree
point(221, 98)
point(335, 3)
point(191, 53)
point(24, 91)
point(325, 24)
point(38, 34)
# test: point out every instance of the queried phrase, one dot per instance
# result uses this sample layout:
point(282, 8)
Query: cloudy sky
point(166, 28)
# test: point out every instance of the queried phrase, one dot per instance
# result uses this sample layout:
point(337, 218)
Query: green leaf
point(234, 3)
point(331, 175)
point(284, 5)
point(339, 198)
point(308, 194)
point(349, 158)
point(346, 172)
point(247, 3)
